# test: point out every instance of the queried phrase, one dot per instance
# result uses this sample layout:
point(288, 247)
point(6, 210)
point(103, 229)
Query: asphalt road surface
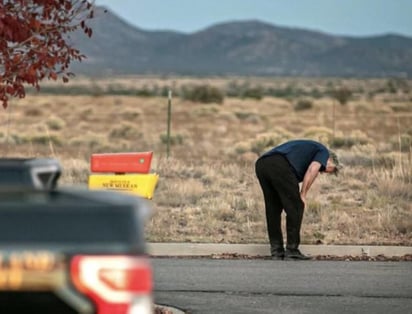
point(265, 286)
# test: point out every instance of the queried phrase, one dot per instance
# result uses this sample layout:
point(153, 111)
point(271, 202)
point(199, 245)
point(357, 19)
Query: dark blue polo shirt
point(300, 154)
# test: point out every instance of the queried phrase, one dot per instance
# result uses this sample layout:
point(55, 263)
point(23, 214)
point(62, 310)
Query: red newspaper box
point(121, 162)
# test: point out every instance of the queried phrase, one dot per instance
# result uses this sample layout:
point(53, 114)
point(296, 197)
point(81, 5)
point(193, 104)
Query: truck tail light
point(117, 284)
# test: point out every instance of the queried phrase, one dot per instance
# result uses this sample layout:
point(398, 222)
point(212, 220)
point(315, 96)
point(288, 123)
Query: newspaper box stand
point(127, 172)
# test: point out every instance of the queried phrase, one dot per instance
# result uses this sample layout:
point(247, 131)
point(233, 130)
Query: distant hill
point(238, 48)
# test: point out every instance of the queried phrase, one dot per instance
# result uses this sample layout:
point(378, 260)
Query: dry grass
point(207, 190)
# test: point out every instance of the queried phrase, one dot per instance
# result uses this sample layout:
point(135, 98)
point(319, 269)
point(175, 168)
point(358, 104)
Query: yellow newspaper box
point(141, 184)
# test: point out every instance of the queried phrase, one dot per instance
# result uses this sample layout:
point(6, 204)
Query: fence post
point(169, 118)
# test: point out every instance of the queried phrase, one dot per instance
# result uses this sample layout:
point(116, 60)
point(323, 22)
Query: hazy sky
point(340, 17)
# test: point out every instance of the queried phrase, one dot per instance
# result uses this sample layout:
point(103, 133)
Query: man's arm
point(309, 178)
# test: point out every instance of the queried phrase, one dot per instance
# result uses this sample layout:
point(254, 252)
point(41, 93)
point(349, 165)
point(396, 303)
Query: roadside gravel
point(380, 258)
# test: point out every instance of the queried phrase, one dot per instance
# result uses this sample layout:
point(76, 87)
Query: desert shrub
point(242, 147)
point(203, 94)
point(244, 90)
point(131, 114)
point(384, 161)
point(265, 141)
point(356, 160)
point(55, 123)
point(13, 138)
point(405, 107)
point(76, 171)
point(303, 104)
point(246, 115)
point(71, 90)
point(402, 142)
point(142, 92)
point(89, 140)
point(45, 139)
point(225, 213)
point(145, 92)
point(342, 95)
point(367, 160)
point(321, 134)
point(175, 139)
point(125, 130)
point(286, 92)
point(368, 155)
point(87, 113)
point(316, 93)
point(354, 138)
point(96, 90)
point(239, 203)
point(393, 85)
point(253, 92)
point(233, 89)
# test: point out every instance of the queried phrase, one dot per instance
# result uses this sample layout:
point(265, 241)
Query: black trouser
point(281, 192)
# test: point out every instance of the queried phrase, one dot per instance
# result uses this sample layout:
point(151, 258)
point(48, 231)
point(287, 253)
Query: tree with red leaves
point(34, 42)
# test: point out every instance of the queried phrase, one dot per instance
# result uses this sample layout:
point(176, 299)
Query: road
point(265, 286)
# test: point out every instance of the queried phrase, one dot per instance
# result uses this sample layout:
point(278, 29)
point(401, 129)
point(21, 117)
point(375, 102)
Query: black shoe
point(295, 254)
point(278, 254)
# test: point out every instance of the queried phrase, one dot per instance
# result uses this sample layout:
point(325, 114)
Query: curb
point(204, 249)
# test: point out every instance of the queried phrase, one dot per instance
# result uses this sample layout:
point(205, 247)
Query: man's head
point(333, 165)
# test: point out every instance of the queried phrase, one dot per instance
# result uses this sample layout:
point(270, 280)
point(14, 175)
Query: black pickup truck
point(69, 250)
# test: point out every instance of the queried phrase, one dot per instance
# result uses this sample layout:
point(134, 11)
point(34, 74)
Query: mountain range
point(251, 48)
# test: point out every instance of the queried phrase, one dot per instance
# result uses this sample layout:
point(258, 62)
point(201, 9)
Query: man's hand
point(310, 176)
point(303, 198)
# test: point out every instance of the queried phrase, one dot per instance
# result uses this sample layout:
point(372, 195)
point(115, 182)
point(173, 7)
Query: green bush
point(265, 141)
point(286, 92)
point(342, 95)
point(303, 104)
point(125, 130)
point(176, 139)
point(203, 94)
point(253, 92)
point(55, 123)
point(234, 89)
point(354, 138)
point(45, 139)
point(321, 134)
